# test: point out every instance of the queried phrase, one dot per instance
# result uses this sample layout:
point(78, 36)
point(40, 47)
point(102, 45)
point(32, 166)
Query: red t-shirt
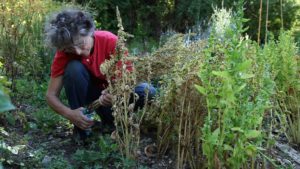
point(104, 46)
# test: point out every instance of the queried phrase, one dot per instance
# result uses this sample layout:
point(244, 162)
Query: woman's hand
point(80, 120)
point(105, 99)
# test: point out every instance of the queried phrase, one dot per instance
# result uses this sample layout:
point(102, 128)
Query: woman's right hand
point(79, 119)
point(105, 99)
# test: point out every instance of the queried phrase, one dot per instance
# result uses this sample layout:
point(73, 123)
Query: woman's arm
point(75, 116)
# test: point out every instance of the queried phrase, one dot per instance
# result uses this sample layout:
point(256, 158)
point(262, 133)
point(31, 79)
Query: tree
point(151, 17)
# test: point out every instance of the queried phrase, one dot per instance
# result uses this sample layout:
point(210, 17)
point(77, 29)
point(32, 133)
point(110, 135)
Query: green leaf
point(245, 19)
point(261, 149)
point(246, 76)
point(241, 87)
point(237, 129)
point(223, 74)
point(245, 29)
point(244, 66)
point(5, 104)
point(250, 134)
point(258, 120)
point(213, 139)
point(10, 118)
point(251, 150)
point(201, 89)
point(227, 147)
point(199, 74)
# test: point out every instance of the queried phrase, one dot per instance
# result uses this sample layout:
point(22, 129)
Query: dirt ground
point(38, 148)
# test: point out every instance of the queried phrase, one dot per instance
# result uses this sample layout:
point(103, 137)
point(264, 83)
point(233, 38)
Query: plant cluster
point(22, 49)
point(177, 110)
point(237, 86)
point(285, 69)
point(103, 153)
point(241, 85)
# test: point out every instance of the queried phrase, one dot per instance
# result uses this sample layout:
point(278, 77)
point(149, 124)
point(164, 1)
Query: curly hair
point(61, 30)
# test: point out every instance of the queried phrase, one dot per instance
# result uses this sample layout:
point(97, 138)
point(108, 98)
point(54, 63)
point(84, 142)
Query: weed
point(59, 162)
point(103, 154)
point(46, 119)
point(22, 38)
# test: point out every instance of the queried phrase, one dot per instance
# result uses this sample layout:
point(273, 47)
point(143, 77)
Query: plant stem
point(259, 22)
point(281, 14)
point(267, 18)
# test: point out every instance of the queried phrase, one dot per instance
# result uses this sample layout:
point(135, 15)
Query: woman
point(76, 66)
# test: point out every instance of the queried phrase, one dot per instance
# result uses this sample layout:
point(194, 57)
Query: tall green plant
point(285, 69)
point(237, 89)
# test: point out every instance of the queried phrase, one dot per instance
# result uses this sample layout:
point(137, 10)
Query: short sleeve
point(59, 63)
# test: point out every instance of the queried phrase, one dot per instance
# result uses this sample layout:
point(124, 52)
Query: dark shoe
point(79, 136)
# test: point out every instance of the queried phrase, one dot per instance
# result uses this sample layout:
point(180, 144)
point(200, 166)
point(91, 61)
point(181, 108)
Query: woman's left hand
point(105, 99)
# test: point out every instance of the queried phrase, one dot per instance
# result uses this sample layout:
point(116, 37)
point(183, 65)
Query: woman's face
point(81, 46)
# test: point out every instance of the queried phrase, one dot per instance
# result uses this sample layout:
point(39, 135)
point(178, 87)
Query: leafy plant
point(46, 119)
point(103, 154)
point(21, 38)
point(59, 162)
point(238, 88)
point(30, 96)
point(284, 63)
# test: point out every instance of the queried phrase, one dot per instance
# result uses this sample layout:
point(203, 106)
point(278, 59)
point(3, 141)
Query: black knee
point(74, 72)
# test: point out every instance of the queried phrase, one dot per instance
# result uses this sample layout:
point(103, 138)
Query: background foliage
point(149, 18)
point(22, 49)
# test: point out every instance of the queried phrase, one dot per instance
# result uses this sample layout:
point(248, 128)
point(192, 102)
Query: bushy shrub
point(21, 38)
point(237, 87)
point(285, 69)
